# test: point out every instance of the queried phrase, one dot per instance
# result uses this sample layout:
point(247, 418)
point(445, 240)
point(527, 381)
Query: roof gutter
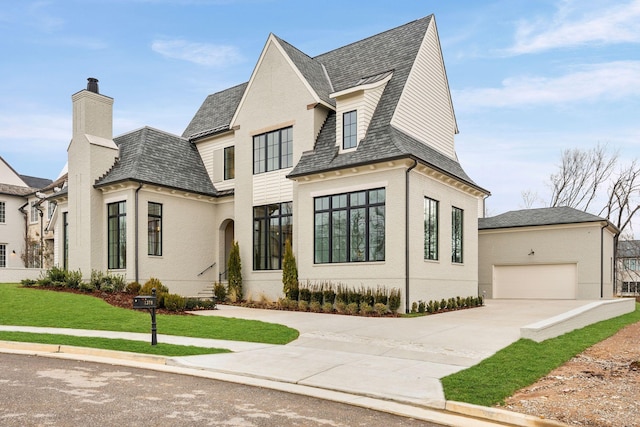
point(406, 236)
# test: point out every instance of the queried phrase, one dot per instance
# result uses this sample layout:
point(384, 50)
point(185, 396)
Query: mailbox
point(144, 302)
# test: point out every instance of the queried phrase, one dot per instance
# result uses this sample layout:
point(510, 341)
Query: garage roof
point(536, 217)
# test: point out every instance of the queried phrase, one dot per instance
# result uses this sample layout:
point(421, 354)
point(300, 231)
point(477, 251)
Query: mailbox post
point(146, 302)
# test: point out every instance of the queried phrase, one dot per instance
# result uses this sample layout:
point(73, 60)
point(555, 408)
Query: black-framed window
point(273, 150)
point(350, 227)
point(272, 226)
point(431, 208)
point(3, 214)
point(457, 222)
point(349, 129)
point(3, 256)
point(154, 228)
point(229, 162)
point(117, 235)
point(34, 212)
point(65, 238)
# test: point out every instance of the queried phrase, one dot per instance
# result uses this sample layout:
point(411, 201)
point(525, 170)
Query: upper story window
point(51, 206)
point(2, 213)
point(3, 256)
point(632, 264)
point(431, 229)
point(154, 227)
point(456, 235)
point(273, 150)
point(349, 130)
point(229, 162)
point(34, 212)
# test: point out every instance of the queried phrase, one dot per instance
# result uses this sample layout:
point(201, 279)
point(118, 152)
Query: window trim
point(431, 237)
point(3, 212)
point(3, 255)
point(457, 228)
point(353, 130)
point(330, 211)
point(154, 249)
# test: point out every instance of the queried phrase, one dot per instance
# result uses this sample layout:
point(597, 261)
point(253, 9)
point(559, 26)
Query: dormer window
point(349, 130)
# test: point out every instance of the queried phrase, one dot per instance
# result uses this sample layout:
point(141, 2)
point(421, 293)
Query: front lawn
point(34, 307)
point(525, 361)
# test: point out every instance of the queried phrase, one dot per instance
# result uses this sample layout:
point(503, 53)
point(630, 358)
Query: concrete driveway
point(401, 359)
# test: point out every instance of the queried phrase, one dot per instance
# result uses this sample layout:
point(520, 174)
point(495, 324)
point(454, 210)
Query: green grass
point(35, 307)
point(525, 361)
point(160, 349)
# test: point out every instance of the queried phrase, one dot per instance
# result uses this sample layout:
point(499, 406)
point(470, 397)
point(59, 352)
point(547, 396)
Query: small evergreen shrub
point(414, 307)
point(57, 274)
point(220, 292)
point(443, 304)
point(328, 295)
point(341, 307)
point(133, 288)
point(118, 282)
point(421, 307)
point(365, 309)
point(327, 307)
point(303, 305)
point(394, 300)
point(304, 295)
point(315, 306)
point(234, 273)
point(289, 270)
point(381, 296)
point(161, 290)
point(174, 302)
point(28, 282)
point(97, 278)
point(87, 286)
point(352, 308)
point(380, 308)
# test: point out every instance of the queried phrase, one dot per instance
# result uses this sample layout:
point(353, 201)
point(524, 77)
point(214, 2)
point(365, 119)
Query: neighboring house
point(628, 268)
point(17, 217)
point(349, 154)
point(548, 253)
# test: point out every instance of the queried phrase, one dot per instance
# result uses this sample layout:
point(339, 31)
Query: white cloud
point(199, 53)
point(575, 24)
point(613, 80)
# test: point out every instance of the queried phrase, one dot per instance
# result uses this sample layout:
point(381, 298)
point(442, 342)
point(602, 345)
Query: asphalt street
point(41, 391)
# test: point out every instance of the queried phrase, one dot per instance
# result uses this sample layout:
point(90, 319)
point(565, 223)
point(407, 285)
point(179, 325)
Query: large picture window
point(456, 235)
point(273, 150)
point(154, 227)
point(117, 235)
point(272, 226)
point(349, 129)
point(431, 229)
point(350, 227)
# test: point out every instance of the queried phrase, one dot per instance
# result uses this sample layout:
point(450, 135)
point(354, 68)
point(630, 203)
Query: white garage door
point(544, 281)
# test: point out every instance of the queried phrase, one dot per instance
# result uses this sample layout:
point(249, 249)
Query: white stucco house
point(349, 154)
point(547, 253)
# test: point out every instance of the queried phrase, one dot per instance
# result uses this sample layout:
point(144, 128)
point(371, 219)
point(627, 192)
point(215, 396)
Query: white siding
point(272, 187)
point(424, 110)
point(212, 154)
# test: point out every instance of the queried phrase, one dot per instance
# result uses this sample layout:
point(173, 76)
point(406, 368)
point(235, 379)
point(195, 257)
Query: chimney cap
point(92, 85)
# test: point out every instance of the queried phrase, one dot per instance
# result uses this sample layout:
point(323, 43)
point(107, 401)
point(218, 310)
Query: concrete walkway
point(400, 359)
point(387, 359)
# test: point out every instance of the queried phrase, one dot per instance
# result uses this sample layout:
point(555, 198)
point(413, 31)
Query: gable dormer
point(355, 107)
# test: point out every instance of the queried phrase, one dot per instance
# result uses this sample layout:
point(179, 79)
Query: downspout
point(26, 224)
point(406, 235)
point(136, 237)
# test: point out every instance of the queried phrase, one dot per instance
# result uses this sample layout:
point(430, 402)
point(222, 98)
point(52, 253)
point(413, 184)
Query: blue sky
point(528, 78)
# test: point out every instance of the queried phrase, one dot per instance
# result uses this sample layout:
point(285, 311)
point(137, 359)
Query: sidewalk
point(381, 363)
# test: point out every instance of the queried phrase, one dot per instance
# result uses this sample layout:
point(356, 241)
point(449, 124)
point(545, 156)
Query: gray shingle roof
point(16, 190)
point(629, 249)
point(35, 182)
point(154, 157)
point(537, 217)
point(215, 113)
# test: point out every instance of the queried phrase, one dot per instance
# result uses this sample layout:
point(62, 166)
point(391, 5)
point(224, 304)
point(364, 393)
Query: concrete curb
point(455, 414)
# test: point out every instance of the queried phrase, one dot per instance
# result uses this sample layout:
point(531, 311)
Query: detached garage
point(548, 253)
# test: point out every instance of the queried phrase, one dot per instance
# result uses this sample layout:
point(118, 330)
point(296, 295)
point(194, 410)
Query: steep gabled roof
point(152, 156)
point(537, 217)
point(215, 113)
point(35, 182)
